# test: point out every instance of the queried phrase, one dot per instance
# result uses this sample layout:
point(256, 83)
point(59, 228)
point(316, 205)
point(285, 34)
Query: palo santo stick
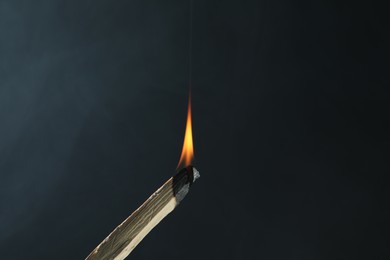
point(125, 237)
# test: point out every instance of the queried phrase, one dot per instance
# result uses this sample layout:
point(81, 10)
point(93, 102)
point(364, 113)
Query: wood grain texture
point(130, 232)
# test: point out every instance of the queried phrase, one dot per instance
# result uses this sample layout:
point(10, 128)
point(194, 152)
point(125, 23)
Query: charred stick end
point(182, 182)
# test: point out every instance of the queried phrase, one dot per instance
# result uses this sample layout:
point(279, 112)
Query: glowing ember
point(187, 153)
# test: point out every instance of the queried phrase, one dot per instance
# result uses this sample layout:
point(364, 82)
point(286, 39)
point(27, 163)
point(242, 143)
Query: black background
point(290, 105)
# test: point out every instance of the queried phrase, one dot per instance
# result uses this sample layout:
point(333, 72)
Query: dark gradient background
point(290, 105)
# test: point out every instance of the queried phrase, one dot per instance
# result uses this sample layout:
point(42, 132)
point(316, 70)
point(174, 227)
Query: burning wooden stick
point(126, 236)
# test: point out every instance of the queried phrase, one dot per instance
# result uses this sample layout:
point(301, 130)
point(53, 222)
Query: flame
point(187, 152)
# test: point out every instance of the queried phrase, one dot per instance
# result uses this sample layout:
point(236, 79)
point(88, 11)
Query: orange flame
point(187, 153)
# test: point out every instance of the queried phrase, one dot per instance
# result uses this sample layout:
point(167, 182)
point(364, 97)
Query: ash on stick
point(125, 237)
